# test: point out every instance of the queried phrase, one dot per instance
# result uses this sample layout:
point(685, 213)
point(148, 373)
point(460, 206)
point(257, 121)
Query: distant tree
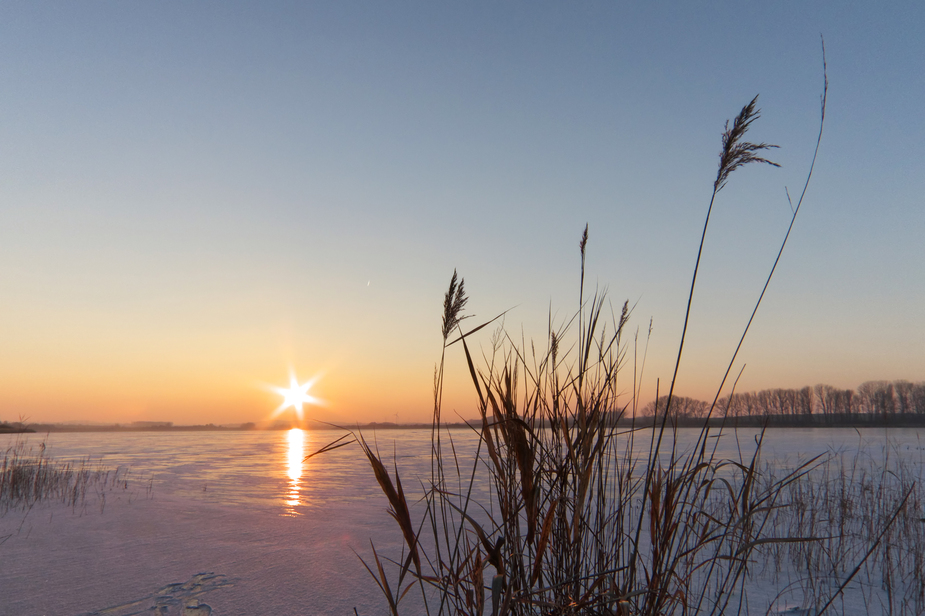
point(918, 398)
point(739, 405)
point(886, 400)
point(765, 402)
point(824, 398)
point(779, 400)
point(866, 397)
point(680, 407)
point(903, 397)
point(749, 403)
point(805, 400)
point(879, 398)
point(848, 401)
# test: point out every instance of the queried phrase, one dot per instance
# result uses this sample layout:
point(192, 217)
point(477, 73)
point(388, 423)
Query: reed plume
point(453, 304)
point(737, 153)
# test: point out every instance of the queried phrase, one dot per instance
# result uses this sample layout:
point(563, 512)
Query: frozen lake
point(276, 535)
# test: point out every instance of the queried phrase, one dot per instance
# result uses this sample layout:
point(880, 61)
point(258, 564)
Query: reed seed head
point(453, 304)
point(737, 153)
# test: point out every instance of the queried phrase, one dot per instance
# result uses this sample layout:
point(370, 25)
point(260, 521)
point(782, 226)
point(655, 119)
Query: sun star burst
point(296, 395)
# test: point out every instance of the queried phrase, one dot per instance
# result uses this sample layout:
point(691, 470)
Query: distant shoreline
point(854, 420)
point(58, 428)
point(8, 429)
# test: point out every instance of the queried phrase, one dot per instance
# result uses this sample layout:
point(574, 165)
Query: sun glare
point(295, 396)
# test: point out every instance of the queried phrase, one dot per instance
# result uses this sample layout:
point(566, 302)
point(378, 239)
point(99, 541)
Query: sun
point(296, 395)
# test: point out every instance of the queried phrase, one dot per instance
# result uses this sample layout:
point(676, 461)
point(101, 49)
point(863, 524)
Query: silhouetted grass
point(27, 478)
point(555, 513)
point(849, 501)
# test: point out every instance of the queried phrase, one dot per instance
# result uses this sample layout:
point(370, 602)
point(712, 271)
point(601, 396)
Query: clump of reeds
point(27, 478)
point(555, 513)
point(850, 503)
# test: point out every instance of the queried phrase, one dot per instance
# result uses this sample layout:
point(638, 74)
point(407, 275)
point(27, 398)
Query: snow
point(204, 526)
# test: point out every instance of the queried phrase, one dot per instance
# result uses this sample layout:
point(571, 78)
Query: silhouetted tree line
point(882, 399)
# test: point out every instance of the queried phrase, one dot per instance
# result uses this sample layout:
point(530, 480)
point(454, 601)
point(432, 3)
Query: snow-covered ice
point(212, 523)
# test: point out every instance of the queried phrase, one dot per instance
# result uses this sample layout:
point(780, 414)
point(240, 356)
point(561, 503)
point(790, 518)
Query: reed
point(27, 478)
point(849, 501)
point(556, 513)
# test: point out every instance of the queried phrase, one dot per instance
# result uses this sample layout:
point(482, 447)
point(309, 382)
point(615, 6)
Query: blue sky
point(198, 197)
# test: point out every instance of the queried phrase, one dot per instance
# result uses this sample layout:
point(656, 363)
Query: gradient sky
point(198, 197)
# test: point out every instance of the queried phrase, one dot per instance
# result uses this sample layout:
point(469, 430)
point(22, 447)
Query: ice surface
point(212, 524)
point(274, 558)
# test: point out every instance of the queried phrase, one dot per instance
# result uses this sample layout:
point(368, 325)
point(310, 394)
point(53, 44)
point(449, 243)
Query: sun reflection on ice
point(296, 454)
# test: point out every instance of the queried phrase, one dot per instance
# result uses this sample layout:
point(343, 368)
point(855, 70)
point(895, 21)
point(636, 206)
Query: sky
point(198, 200)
